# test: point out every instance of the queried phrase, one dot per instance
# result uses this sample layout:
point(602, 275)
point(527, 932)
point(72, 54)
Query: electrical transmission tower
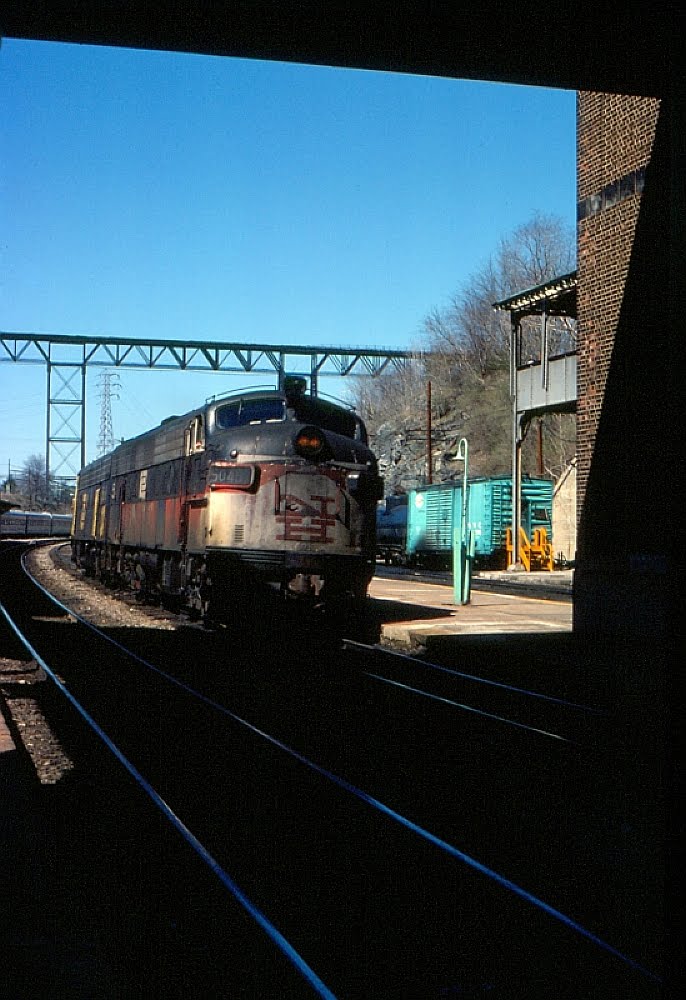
point(108, 383)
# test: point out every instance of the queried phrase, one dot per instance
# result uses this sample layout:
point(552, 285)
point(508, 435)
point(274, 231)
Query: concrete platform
point(489, 612)
point(548, 583)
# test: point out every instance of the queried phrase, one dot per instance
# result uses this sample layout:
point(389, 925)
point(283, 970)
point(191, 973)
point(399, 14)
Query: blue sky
point(148, 194)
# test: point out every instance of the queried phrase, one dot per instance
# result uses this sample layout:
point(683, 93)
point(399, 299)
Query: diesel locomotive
point(258, 491)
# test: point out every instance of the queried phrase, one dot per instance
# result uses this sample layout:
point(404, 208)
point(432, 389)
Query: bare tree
point(466, 360)
point(539, 250)
point(469, 333)
point(469, 343)
point(33, 482)
point(389, 392)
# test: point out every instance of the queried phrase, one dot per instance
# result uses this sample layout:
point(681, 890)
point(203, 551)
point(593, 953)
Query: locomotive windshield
point(249, 411)
point(305, 409)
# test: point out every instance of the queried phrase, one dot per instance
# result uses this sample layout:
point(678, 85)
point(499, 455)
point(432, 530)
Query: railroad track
point(366, 825)
point(541, 714)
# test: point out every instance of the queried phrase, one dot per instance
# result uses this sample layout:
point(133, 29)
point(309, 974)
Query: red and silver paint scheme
point(298, 526)
point(264, 489)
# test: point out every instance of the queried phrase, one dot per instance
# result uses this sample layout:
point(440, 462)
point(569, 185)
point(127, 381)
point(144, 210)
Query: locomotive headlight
point(309, 442)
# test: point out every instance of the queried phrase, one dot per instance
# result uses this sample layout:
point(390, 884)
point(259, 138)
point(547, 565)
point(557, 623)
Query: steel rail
point(448, 848)
point(469, 708)
point(427, 664)
point(281, 942)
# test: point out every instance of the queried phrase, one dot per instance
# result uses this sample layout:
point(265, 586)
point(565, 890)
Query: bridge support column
point(65, 433)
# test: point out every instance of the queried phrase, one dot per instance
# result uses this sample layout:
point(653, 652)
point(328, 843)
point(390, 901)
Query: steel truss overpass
point(67, 359)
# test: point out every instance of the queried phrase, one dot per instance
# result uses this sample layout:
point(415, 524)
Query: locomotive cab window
point(249, 411)
point(257, 411)
point(195, 436)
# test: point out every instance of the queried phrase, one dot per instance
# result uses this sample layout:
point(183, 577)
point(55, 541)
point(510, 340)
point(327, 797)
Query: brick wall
point(623, 258)
point(614, 142)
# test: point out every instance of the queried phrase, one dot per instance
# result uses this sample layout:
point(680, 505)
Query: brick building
point(626, 480)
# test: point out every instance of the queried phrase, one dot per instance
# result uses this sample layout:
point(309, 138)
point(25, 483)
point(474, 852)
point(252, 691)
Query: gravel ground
point(21, 681)
point(52, 567)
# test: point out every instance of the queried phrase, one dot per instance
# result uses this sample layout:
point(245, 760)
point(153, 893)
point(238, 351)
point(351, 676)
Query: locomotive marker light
point(463, 538)
point(309, 442)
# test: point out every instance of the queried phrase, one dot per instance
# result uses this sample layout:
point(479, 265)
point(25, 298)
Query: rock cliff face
point(402, 452)
point(401, 462)
point(477, 409)
point(398, 437)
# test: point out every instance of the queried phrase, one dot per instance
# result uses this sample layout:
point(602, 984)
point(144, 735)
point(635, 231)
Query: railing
point(536, 554)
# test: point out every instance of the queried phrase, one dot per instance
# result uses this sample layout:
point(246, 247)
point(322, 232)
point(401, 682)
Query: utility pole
point(429, 442)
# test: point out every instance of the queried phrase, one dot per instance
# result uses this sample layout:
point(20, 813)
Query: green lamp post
point(463, 537)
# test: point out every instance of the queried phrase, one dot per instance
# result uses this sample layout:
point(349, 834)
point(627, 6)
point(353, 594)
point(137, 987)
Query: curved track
point(393, 840)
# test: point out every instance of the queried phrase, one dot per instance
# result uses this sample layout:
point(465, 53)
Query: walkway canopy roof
point(555, 298)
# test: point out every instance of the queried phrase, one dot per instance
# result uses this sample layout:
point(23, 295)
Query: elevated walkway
point(543, 377)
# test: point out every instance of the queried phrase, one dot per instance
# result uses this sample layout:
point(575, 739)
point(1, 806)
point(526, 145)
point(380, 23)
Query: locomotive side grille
point(262, 560)
point(238, 534)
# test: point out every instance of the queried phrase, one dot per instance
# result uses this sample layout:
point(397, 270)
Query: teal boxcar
point(434, 511)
